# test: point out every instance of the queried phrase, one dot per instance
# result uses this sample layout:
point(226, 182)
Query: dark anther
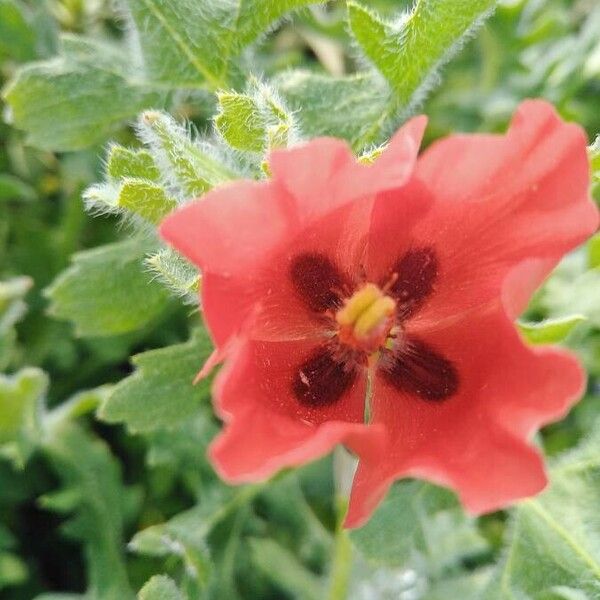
point(416, 273)
point(321, 380)
point(317, 281)
point(418, 369)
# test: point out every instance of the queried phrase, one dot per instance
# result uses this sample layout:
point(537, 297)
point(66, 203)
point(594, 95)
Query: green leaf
point(21, 397)
point(409, 51)
point(82, 403)
point(78, 98)
point(419, 519)
point(241, 122)
point(192, 168)
point(146, 199)
point(594, 152)
point(176, 273)
point(550, 331)
point(125, 162)
point(255, 121)
point(161, 393)
point(195, 43)
point(554, 546)
point(185, 535)
point(106, 291)
point(139, 197)
point(91, 476)
point(17, 38)
point(12, 310)
point(466, 586)
point(565, 295)
point(12, 188)
point(13, 570)
point(160, 587)
point(347, 107)
point(283, 568)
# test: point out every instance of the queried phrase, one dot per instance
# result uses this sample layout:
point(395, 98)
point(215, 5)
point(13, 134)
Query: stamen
point(366, 318)
point(373, 315)
point(358, 303)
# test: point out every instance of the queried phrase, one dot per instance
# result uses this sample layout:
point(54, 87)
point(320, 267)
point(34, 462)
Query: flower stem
point(342, 557)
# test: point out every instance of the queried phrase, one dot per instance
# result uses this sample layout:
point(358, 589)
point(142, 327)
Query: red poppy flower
point(373, 306)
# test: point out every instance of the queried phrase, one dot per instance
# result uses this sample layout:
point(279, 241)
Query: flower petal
point(269, 426)
point(490, 470)
point(257, 444)
point(498, 201)
point(267, 374)
point(244, 235)
point(323, 173)
point(475, 440)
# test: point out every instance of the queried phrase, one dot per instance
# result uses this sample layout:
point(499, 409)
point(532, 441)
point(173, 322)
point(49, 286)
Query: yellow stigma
point(366, 310)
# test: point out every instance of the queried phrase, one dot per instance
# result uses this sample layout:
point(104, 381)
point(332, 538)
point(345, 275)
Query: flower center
point(366, 318)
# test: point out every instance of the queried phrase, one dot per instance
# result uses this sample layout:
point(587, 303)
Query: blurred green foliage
point(91, 509)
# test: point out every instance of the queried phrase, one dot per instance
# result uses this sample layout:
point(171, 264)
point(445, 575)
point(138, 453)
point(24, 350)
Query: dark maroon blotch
point(417, 369)
point(317, 281)
point(321, 380)
point(415, 273)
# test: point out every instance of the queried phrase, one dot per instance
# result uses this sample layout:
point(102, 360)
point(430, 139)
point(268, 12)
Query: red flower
point(410, 272)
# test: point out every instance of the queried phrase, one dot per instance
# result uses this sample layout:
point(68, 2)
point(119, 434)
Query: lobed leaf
point(257, 121)
point(106, 291)
point(138, 197)
point(190, 168)
point(409, 51)
point(240, 122)
point(196, 43)
point(78, 98)
point(161, 393)
point(124, 162)
point(554, 546)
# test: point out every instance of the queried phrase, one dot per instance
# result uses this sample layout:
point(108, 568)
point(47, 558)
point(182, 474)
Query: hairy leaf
point(124, 162)
point(139, 197)
point(195, 43)
point(240, 122)
point(419, 519)
point(410, 50)
point(255, 121)
point(176, 273)
point(554, 546)
point(78, 98)
point(161, 393)
point(191, 168)
point(106, 291)
point(353, 107)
